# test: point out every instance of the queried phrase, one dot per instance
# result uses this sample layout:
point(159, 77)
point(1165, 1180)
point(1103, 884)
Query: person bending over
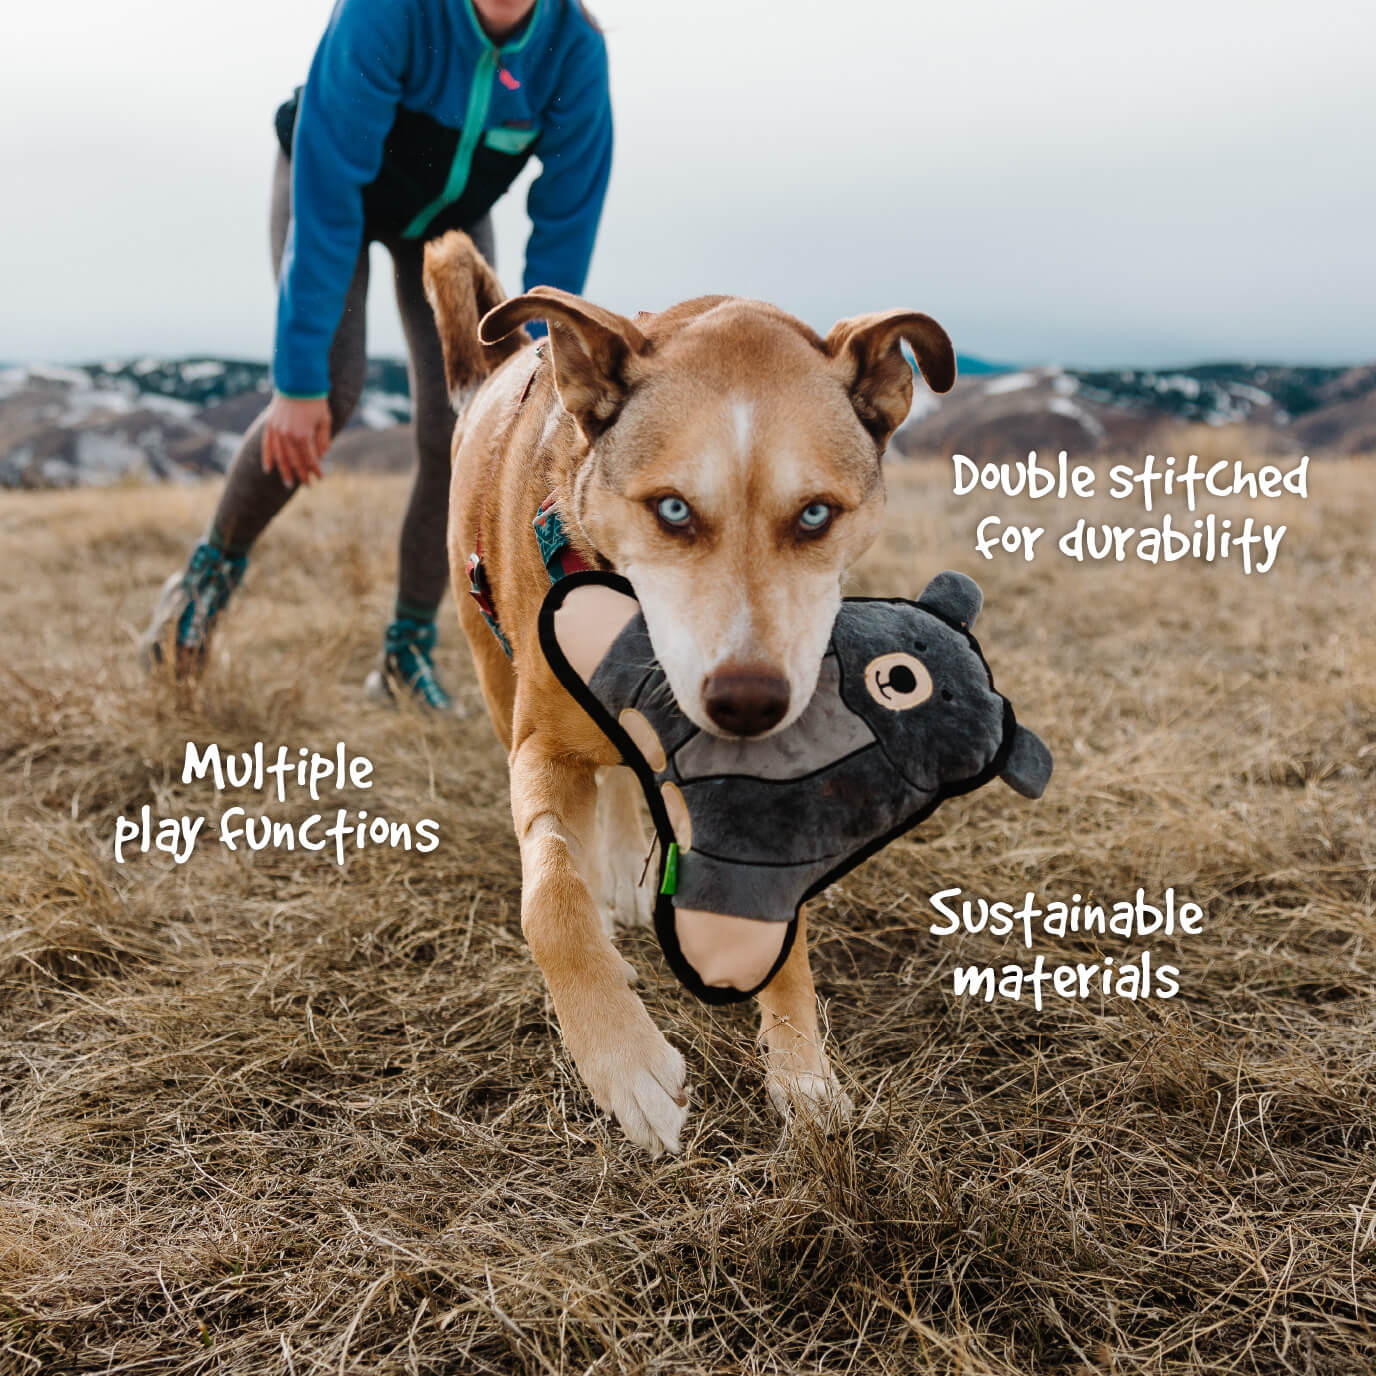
point(416, 116)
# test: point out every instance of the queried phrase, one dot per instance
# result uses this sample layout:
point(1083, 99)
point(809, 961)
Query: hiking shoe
point(189, 603)
point(406, 665)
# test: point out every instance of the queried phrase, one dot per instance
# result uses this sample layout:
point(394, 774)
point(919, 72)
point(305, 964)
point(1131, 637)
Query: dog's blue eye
point(815, 517)
point(674, 511)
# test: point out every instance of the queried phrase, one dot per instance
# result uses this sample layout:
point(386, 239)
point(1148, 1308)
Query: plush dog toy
point(904, 716)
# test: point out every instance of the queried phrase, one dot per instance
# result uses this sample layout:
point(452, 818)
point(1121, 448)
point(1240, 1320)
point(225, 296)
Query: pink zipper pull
point(507, 79)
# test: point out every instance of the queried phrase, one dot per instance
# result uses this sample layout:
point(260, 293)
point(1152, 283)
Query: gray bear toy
point(904, 716)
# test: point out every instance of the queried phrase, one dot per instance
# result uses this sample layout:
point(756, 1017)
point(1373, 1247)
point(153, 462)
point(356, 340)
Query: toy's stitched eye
point(898, 681)
point(815, 518)
point(946, 695)
point(674, 512)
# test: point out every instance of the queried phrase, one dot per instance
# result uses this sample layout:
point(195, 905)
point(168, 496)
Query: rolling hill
point(153, 419)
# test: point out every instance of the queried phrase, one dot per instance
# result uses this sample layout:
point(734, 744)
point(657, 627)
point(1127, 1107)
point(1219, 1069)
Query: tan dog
point(726, 460)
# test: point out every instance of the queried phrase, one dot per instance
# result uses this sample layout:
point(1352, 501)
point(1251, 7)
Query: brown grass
point(264, 1115)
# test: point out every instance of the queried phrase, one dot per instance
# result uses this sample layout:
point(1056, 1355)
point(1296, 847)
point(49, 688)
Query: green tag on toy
point(670, 881)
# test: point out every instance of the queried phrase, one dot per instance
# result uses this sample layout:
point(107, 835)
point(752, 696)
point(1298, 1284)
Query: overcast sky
point(1073, 181)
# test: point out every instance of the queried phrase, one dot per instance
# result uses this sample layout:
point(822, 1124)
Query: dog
point(724, 458)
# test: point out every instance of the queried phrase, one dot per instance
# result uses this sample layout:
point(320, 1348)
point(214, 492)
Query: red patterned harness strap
point(556, 549)
point(557, 553)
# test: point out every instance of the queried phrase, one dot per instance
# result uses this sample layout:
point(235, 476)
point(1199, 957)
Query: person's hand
point(296, 435)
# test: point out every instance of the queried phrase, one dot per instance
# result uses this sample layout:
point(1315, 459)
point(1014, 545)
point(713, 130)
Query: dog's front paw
point(635, 1075)
point(633, 905)
point(625, 872)
point(626, 900)
point(810, 1094)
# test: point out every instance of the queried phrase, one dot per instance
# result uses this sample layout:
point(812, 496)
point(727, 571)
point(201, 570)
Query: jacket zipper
point(475, 116)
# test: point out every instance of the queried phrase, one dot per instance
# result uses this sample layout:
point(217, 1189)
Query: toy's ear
point(587, 624)
point(1028, 767)
point(955, 596)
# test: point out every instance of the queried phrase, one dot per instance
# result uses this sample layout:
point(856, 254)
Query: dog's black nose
point(745, 699)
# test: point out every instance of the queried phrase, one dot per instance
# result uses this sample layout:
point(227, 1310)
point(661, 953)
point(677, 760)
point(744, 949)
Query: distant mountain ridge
point(967, 365)
point(177, 419)
point(1088, 411)
point(161, 419)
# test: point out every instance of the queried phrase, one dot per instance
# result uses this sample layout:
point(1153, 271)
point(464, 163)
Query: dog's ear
point(461, 288)
point(867, 348)
point(593, 350)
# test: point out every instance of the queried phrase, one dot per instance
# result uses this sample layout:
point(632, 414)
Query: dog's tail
point(461, 289)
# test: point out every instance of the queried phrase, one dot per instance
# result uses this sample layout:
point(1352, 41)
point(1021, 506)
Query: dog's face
point(733, 474)
point(735, 488)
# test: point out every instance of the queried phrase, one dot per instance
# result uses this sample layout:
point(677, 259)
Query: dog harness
point(556, 549)
point(556, 553)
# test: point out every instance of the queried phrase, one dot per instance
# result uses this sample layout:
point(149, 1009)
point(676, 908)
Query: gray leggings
point(251, 498)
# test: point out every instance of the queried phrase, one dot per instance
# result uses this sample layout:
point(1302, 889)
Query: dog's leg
point(623, 849)
point(798, 1074)
point(496, 677)
point(624, 1059)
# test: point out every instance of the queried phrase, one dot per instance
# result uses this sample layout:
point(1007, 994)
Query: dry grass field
point(261, 1113)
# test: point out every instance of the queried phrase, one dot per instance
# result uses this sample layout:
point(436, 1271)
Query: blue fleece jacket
point(412, 122)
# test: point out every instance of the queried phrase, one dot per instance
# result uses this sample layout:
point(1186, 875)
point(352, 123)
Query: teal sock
point(235, 549)
point(408, 611)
